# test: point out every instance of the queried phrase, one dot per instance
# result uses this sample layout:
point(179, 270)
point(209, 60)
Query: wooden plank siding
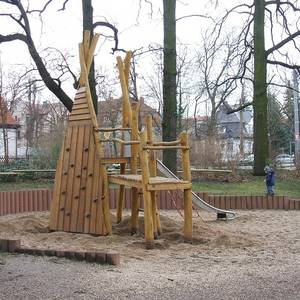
point(14, 202)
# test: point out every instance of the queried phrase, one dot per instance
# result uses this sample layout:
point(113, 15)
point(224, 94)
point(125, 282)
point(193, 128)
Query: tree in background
point(280, 134)
point(219, 67)
point(288, 113)
point(260, 100)
point(20, 12)
point(169, 122)
point(266, 17)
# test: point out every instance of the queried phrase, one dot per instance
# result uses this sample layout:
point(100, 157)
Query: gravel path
point(268, 269)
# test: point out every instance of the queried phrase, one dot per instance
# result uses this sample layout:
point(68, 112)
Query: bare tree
point(20, 12)
point(35, 118)
point(218, 64)
point(3, 119)
point(11, 91)
point(271, 18)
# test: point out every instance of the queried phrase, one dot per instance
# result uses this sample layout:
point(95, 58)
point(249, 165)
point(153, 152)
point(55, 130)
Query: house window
point(229, 146)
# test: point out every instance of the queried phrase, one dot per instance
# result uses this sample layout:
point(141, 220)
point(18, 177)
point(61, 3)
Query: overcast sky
point(137, 28)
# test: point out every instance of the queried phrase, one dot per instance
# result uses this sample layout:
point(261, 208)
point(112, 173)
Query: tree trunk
point(169, 122)
point(5, 143)
point(212, 123)
point(242, 101)
point(87, 18)
point(260, 100)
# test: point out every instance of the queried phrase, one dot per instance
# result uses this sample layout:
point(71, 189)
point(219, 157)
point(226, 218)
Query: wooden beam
point(126, 109)
point(135, 200)
point(166, 147)
point(147, 195)
point(113, 129)
point(187, 194)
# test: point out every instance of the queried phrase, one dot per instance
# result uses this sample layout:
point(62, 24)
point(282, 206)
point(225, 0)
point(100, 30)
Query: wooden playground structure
point(81, 192)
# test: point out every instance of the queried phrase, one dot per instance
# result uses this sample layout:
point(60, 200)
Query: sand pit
point(32, 229)
point(255, 256)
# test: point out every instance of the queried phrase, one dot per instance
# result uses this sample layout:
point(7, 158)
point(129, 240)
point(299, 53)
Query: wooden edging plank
point(80, 112)
point(14, 246)
point(12, 202)
point(77, 179)
point(61, 191)
point(70, 179)
point(95, 193)
point(82, 214)
point(89, 183)
point(79, 106)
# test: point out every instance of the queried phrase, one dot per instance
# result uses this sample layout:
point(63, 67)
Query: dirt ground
point(255, 256)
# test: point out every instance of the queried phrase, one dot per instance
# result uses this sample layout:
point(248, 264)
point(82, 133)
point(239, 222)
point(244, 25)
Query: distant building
point(234, 134)
point(9, 132)
point(40, 120)
point(110, 114)
point(236, 131)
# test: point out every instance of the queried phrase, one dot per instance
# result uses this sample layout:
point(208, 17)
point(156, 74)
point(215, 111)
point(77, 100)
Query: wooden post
point(127, 118)
point(147, 195)
point(86, 57)
point(153, 173)
point(53, 221)
point(120, 202)
point(187, 194)
point(134, 161)
point(126, 109)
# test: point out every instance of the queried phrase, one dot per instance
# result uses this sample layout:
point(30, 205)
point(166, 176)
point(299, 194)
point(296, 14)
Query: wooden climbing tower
point(80, 201)
point(147, 180)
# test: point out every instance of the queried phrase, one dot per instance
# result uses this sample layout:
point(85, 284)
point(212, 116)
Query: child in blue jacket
point(270, 180)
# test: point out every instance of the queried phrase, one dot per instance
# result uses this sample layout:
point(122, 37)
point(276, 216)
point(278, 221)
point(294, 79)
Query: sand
point(255, 256)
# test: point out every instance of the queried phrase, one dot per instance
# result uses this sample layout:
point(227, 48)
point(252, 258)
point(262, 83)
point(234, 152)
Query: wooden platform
point(155, 183)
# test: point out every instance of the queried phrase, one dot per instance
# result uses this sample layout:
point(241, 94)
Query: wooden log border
point(14, 202)
point(14, 246)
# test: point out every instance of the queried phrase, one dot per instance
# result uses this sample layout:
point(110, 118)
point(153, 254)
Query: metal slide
point(221, 214)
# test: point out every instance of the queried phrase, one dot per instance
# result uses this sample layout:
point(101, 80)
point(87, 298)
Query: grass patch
point(251, 186)
point(287, 184)
point(28, 185)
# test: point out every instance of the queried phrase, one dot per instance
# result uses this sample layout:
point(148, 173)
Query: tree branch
point(113, 28)
point(64, 5)
point(27, 38)
point(280, 63)
point(282, 43)
point(194, 15)
point(233, 110)
point(40, 11)
point(13, 37)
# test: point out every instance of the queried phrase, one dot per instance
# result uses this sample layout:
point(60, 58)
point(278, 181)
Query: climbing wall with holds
point(80, 199)
point(79, 202)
